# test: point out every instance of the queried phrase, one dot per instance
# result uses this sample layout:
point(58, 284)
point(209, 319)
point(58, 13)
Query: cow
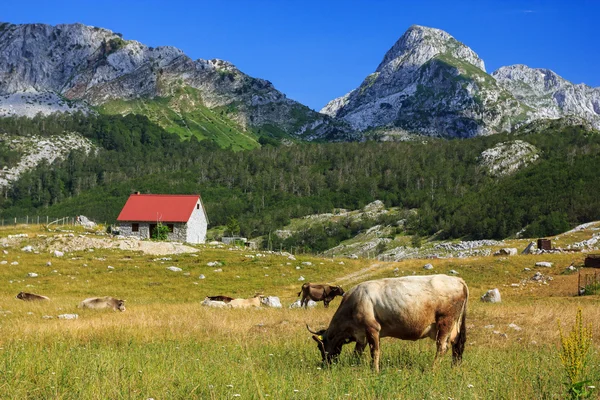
point(31, 297)
point(408, 308)
point(316, 292)
point(215, 303)
point(225, 299)
point(246, 303)
point(97, 303)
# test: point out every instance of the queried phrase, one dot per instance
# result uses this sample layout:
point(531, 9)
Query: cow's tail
point(458, 346)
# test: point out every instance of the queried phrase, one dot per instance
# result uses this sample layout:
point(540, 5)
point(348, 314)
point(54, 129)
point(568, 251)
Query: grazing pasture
point(167, 346)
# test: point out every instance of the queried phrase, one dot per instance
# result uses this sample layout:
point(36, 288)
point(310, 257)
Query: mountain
point(550, 95)
point(429, 83)
point(73, 67)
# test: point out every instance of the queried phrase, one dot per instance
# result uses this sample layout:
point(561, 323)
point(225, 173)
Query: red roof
point(159, 207)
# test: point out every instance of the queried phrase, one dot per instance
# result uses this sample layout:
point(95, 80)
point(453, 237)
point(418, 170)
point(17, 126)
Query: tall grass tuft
point(574, 355)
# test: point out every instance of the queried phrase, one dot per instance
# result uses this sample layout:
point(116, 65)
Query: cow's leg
point(373, 340)
point(444, 329)
point(326, 303)
point(359, 348)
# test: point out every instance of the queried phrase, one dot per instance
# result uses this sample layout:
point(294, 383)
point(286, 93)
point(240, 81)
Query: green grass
point(167, 346)
point(185, 115)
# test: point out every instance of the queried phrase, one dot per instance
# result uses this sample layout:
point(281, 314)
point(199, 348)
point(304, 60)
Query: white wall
point(197, 225)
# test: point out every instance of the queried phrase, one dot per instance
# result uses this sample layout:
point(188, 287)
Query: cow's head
point(121, 305)
point(20, 295)
point(329, 350)
point(337, 291)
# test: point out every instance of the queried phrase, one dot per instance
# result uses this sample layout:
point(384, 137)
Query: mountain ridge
point(93, 66)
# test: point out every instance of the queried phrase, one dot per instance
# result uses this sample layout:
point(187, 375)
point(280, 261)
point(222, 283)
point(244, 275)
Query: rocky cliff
point(430, 83)
point(549, 95)
point(91, 67)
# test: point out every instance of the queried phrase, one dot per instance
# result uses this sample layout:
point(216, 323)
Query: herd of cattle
point(408, 308)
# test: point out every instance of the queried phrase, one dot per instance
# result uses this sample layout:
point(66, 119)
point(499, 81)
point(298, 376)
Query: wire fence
point(40, 220)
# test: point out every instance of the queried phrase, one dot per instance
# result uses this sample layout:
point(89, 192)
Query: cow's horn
point(310, 330)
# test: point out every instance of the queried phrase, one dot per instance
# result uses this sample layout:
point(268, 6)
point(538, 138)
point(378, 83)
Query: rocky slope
point(35, 149)
point(429, 83)
point(94, 66)
point(548, 94)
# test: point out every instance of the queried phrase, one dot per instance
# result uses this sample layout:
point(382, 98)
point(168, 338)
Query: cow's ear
point(347, 340)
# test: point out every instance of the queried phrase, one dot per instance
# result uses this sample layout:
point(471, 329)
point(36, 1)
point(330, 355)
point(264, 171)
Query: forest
point(264, 188)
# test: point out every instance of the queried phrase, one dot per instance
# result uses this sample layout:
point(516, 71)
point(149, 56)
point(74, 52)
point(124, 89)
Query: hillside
point(473, 189)
point(74, 67)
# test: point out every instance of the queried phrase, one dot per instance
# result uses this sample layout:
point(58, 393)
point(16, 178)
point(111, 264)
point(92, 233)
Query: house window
point(135, 227)
point(197, 206)
point(170, 226)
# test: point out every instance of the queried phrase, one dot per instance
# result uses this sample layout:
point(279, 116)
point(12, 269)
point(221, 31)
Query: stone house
point(184, 215)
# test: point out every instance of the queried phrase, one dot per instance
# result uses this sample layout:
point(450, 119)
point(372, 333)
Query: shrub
point(161, 232)
point(574, 355)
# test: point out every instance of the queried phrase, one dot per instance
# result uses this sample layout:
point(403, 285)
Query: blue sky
point(315, 51)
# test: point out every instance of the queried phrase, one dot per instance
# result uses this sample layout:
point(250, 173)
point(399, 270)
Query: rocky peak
point(428, 83)
point(420, 44)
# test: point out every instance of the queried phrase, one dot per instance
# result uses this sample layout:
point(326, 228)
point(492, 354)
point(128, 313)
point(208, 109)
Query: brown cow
point(98, 303)
point(316, 292)
point(225, 299)
point(408, 308)
point(31, 297)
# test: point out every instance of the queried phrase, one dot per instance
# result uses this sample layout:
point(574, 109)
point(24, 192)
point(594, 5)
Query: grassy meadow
point(167, 346)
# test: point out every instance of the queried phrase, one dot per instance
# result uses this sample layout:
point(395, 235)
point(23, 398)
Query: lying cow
point(31, 297)
point(224, 299)
point(315, 292)
point(98, 303)
point(246, 303)
point(215, 303)
point(408, 308)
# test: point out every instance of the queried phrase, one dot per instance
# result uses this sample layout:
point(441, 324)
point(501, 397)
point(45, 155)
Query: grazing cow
point(247, 303)
point(215, 303)
point(408, 308)
point(31, 297)
point(316, 292)
point(224, 299)
point(98, 303)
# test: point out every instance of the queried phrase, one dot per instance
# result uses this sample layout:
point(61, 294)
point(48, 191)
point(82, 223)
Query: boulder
point(27, 249)
point(32, 275)
point(301, 278)
point(296, 304)
point(68, 316)
point(491, 296)
point(201, 276)
point(272, 301)
point(85, 222)
point(453, 272)
point(58, 253)
point(49, 264)
point(174, 269)
point(428, 266)
point(544, 264)
point(507, 251)
point(215, 304)
point(213, 264)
